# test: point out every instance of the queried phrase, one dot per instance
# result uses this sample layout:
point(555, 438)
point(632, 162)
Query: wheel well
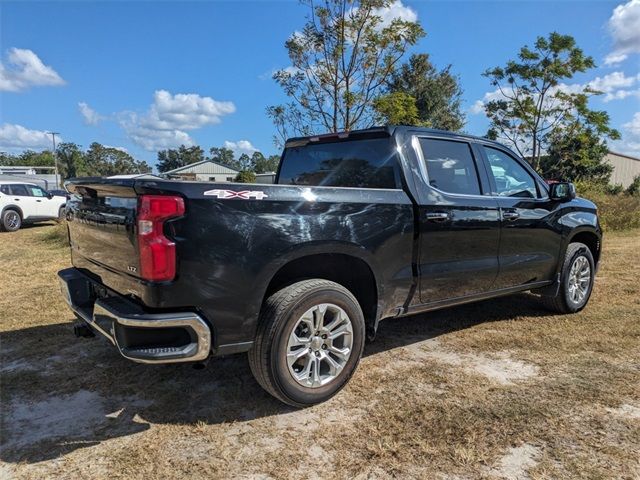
point(14, 208)
point(591, 241)
point(351, 272)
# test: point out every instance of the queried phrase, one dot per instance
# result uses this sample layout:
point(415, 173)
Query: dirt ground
point(501, 389)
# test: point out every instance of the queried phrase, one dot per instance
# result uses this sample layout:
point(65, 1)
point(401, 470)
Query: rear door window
point(450, 166)
point(367, 163)
point(19, 190)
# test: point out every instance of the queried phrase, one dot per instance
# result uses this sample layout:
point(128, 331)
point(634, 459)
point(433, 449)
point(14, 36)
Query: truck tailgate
point(101, 222)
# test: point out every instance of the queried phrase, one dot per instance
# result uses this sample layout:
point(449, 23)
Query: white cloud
point(478, 105)
point(624, 26)
point(612, 81)
point(630, 141)
point(90, 116)
point(185, 111)
point(634, 125)
point(170, 117)
point(153, 139)
point(24, 69)
point(614, 86)
point(615, 58)
point(393, 11)
point(17, 137)
point(291, 70)
point(240, 147)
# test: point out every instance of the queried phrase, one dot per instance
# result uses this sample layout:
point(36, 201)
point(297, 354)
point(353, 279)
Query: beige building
point(625, 168)
point(205, 171)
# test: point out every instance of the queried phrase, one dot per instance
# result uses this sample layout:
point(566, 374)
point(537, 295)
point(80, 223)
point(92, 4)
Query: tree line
point(97, 161)
point(247, 165)
point(347, 73)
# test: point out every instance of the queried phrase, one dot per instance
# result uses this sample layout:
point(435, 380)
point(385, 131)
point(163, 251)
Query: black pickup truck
point(359, 227)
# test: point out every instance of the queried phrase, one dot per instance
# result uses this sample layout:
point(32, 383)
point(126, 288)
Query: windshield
point(367, 163)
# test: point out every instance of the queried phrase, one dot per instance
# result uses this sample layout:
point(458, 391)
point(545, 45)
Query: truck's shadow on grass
point(60, 393)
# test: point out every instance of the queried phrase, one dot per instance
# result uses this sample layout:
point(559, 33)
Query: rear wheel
point(11, 220)
point(576, 281)
point(309, 342)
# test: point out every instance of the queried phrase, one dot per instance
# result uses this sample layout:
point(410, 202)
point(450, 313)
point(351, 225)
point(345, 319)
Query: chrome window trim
point(415, 143)
point(534, 175)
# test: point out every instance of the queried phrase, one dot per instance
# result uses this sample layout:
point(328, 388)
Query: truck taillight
point(157, 252)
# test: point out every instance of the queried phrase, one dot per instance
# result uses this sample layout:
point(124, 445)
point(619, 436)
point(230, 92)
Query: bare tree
point(340, 62)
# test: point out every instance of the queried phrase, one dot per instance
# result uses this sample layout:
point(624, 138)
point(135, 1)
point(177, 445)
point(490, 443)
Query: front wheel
point(576, 280)
point(309, 342)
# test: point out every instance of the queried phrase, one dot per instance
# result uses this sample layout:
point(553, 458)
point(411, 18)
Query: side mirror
point(49, 195)
point(562, 191)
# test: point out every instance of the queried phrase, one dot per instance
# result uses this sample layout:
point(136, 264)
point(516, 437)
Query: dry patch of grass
point(500, 389)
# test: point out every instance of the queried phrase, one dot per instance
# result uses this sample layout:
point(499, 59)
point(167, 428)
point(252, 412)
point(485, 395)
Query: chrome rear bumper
point(139, 336)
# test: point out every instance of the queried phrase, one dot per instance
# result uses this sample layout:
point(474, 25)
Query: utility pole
point(55, 155)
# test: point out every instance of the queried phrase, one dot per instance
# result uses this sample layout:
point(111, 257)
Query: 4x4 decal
point(242, 194)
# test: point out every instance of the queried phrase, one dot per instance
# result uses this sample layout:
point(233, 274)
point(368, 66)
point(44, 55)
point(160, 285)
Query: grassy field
point(499, 389)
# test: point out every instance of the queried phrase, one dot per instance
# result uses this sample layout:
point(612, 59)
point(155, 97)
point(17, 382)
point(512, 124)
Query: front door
point(529, 242)
point(459, 223)
point(45, 206)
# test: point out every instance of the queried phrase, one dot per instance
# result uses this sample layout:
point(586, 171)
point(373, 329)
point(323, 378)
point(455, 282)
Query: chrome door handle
point(438, 216)
point(510, 215)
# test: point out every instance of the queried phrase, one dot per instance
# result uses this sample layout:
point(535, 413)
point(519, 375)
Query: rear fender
point(263, 280)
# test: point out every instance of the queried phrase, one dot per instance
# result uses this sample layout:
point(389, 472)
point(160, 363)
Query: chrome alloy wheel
point(12, 219)
point(579, 279)
point(319, 345)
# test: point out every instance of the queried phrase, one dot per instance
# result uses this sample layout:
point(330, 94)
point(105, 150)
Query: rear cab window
point(361, 163)
point(5, 189)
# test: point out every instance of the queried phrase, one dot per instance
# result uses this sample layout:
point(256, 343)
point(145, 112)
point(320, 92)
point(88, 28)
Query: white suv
point(27, 203)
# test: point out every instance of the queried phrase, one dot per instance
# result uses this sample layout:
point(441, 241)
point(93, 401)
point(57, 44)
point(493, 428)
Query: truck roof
point(13, 182)
point(387, 130)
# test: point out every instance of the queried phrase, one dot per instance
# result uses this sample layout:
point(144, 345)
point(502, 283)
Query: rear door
point(21, 196)
point(458, 221)
point(529, 241)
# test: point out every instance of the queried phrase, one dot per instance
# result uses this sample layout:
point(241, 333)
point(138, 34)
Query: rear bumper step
point(139, 336)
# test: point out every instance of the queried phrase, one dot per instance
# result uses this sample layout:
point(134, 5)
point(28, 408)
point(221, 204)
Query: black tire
point(279, 316)
point(11, 220)
point(61, 214)
point(563, 301)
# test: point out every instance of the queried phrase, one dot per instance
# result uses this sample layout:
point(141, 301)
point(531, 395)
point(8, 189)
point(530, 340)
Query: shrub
point(617, 211)
point(634, 188)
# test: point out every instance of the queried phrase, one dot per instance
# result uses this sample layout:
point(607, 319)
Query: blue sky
point(126, 64)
